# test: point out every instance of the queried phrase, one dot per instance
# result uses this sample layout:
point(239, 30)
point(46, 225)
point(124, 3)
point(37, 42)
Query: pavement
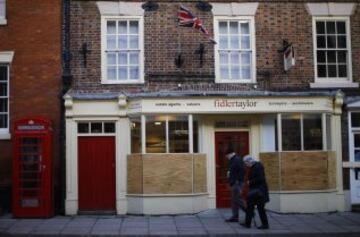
point(207, 223)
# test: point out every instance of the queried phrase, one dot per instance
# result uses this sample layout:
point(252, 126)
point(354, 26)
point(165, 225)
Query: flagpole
point(178, 58)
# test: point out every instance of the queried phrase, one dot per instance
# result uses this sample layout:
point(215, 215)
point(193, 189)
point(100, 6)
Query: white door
point(355, 171)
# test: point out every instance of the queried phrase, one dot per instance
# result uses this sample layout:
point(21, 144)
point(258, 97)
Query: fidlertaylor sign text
point(243, 104)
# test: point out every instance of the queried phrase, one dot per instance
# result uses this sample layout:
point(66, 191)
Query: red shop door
point(240, 142)
point(96, 173)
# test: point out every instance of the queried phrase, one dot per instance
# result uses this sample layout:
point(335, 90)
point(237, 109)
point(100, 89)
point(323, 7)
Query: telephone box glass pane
point(30, 171)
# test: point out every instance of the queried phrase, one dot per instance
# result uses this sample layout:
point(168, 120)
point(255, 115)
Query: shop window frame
point(191, 142)
point(324, 129)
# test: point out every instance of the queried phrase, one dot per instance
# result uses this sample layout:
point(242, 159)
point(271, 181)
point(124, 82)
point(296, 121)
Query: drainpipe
point(66, 84)
point(67, 77)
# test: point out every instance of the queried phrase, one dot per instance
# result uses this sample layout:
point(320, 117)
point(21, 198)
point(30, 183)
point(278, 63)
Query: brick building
point(153, 106)
point(30, 79)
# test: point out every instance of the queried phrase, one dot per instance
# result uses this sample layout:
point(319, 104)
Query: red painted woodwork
point(96, 173)
point(32, 168)
point(240, 142)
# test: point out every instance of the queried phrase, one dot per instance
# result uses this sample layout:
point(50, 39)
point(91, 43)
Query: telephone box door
point(32, 183)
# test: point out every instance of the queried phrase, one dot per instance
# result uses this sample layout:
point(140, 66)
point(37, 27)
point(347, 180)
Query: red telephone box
point(32, 168)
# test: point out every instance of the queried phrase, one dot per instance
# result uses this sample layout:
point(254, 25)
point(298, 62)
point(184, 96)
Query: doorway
point(96, 174)
point(240, 142)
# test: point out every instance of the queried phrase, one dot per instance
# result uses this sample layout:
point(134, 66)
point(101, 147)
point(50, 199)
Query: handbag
point(255, 195)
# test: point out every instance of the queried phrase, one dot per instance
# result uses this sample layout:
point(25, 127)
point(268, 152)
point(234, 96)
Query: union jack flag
point(187, 19)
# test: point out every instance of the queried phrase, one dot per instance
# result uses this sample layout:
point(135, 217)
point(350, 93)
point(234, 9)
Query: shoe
point(263, 227)
point(232, 219)
point(245, 225)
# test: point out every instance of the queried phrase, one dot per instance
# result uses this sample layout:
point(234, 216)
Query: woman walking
point(255, 192)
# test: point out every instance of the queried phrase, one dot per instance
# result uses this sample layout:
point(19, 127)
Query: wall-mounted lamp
point(203, 6)
point(84, 51)
point(179, 60)
point(201, 52)
point(150, 6)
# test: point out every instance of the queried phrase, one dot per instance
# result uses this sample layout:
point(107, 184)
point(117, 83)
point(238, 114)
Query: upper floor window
point(235, 51)
point(332, 50)
point(4, 99)
point(122, 50)
point(2, 12)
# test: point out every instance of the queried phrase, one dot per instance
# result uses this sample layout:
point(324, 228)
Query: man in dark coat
point(235, 178)
point(258, 194)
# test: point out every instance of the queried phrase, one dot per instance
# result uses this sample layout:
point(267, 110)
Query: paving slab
point(207, 223)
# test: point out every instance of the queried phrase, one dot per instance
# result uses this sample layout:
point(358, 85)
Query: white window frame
point(5, 132)
point(104, 20)
point(190, 120)
point(3, 17)
point(251, 21)
point(92, 134)
point(333, 81)
point(323, 128)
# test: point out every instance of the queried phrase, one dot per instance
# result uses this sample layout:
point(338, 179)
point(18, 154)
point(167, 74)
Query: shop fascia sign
point(229, 105)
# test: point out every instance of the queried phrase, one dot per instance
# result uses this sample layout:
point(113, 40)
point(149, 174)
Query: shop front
point(164, 153)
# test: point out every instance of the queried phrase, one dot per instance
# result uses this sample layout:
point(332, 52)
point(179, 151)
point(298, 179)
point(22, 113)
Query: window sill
point(219, 81)
point(3, 22)
point(334, 85)
point(121, 82)
point(5, 136)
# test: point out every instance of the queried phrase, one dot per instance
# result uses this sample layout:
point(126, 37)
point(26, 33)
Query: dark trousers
point(250, 214)
point(236, 201)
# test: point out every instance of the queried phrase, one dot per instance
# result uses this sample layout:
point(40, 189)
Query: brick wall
point(274, 20)
point(33, 32)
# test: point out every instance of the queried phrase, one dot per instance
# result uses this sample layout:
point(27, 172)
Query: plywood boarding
point(332, 169)
point(134, 174)
point(200, 184)
point(167, 173)
point(304, 171)
point(271, 164)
